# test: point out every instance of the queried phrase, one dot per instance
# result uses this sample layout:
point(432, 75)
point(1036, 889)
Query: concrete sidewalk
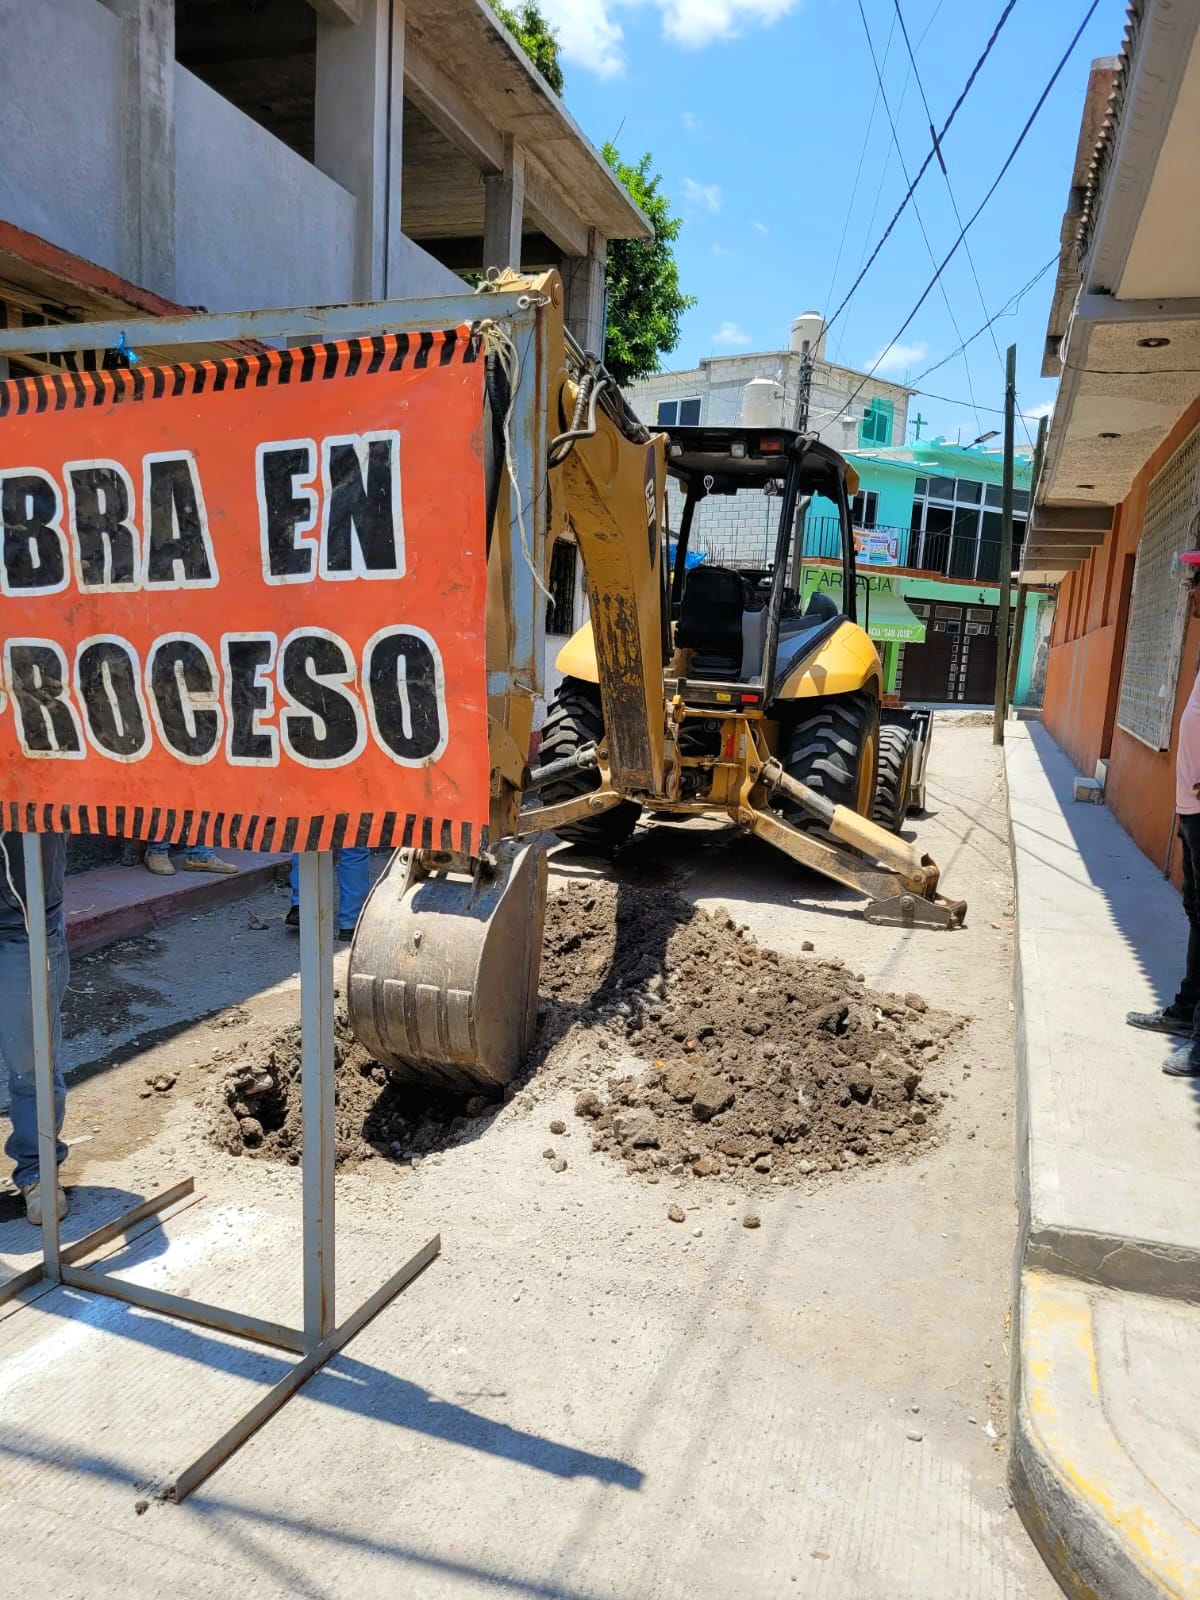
point(111, 903)
point(1105, 1463)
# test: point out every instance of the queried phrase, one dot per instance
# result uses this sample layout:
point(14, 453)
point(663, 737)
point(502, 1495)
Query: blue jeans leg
point(16, 1047)
point(195, 852)
point(353, 881)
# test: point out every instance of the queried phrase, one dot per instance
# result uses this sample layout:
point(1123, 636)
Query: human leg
point(16, 1047)
point(354, 879)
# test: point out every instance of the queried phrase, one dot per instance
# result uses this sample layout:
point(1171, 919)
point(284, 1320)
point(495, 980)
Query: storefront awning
point(886, 618)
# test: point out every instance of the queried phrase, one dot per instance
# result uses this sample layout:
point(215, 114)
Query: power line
point(862, 155)
point(954, 206)
point(1011, 301)
point(1008, 161)
point(904, 169)
point(987, 49)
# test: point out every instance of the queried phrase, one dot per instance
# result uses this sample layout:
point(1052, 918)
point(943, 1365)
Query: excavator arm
point(445, 961)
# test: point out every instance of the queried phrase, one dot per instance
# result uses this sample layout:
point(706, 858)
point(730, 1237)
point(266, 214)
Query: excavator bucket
point(444, 966)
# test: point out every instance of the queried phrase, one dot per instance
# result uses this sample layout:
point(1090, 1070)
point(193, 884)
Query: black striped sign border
point(311, 363)
point(234, 831)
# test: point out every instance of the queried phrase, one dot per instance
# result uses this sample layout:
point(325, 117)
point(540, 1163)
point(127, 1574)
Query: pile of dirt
point(749, 1064)
point(758, 1065)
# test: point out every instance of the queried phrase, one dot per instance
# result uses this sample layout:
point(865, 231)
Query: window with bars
point(1158, 605)
point(560, 608)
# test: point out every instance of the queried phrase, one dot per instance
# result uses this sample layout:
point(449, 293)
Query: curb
point(112, 903)
point(1099, 1523)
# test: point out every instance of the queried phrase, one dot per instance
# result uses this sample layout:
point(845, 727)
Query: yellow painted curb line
point(1101, 1525)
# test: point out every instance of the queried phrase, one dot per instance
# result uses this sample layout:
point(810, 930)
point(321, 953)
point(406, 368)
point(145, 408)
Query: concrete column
point(583, 278)
point(148, 144)
point(359, 118)
point(504, 210)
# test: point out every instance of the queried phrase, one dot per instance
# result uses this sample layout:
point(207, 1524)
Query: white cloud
point(721, 250)
point(691, 122)
point(1035, 413)
point(587, 35)
point(696, 23)
point(898, 357)
point(590, 35)
point(761, 227)
point(706, 196)
point(730, 334)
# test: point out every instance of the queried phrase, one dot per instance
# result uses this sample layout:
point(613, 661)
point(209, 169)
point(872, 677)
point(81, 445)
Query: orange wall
point(1084, 674)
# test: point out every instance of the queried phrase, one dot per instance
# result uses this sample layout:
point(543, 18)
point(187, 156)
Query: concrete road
point(579, 1399)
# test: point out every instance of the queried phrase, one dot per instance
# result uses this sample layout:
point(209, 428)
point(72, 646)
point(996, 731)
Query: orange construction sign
point(242, 601)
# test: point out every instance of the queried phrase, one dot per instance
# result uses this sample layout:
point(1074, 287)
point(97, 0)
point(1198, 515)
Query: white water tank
point(762, 404)
point(808, 333)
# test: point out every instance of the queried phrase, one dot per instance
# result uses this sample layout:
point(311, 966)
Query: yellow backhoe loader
point(701, 689)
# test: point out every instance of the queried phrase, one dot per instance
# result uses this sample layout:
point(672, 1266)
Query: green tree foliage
point(644, 299)
point(535, 36)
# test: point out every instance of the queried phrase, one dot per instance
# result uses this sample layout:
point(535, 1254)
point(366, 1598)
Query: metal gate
point(1159, 604)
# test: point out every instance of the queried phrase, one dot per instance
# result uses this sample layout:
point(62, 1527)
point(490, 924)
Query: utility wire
point(868, 232)
point(921, 172)
point(954, 206)
point(916, 208)
point(1008, 161)
point(862, 155)
point(1012, 300)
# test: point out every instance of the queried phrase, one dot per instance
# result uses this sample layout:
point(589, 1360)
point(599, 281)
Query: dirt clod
point(750, 1220)
point(558, 1126)
point(675, 1213)
point(559, 1165)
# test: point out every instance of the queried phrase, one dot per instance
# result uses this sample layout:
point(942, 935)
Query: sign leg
point(317, 1091)
point(43, 1059)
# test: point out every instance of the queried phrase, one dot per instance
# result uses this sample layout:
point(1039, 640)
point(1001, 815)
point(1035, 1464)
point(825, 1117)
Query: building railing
point(941, 553)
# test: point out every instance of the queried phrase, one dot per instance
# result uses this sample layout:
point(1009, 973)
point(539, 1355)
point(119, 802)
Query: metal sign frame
point(320, 1335)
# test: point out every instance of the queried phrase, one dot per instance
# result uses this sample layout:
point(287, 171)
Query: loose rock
point(675, 1213)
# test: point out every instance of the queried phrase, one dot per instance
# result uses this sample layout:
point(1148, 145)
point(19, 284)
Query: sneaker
point(292, 920)
point(208, 864)
point(345, 935)
point(1161, 1022)
point(160, 864)
point(1184, 1063)
point(33, 1203)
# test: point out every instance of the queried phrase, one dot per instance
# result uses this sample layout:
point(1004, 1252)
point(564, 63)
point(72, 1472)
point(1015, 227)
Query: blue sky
point(757, 113)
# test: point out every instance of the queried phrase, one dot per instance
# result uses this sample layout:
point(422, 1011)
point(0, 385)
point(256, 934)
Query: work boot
point(1184, 1063)
point(1165, 1021)
point(292, 920)
point(33, 1203)
point(208, 864)
point(160, 863)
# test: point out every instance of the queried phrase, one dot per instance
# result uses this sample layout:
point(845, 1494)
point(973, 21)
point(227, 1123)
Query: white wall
point(60, 124)
point(255, 224)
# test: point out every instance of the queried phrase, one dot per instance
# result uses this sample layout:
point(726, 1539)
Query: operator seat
point(710, 622)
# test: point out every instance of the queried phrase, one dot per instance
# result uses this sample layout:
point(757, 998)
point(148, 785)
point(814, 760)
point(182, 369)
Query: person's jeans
point(353, 881)
point(16, 1045)
point(195, 852)
point(1186, 1003)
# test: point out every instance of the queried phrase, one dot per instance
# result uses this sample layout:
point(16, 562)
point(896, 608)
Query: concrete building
point(1121, 482)
point(166, 154)
point(772, 389)
point(928, 520)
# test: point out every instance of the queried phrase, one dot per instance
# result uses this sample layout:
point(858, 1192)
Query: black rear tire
point(832, 746)
point(893, 781)
point(575, 718)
